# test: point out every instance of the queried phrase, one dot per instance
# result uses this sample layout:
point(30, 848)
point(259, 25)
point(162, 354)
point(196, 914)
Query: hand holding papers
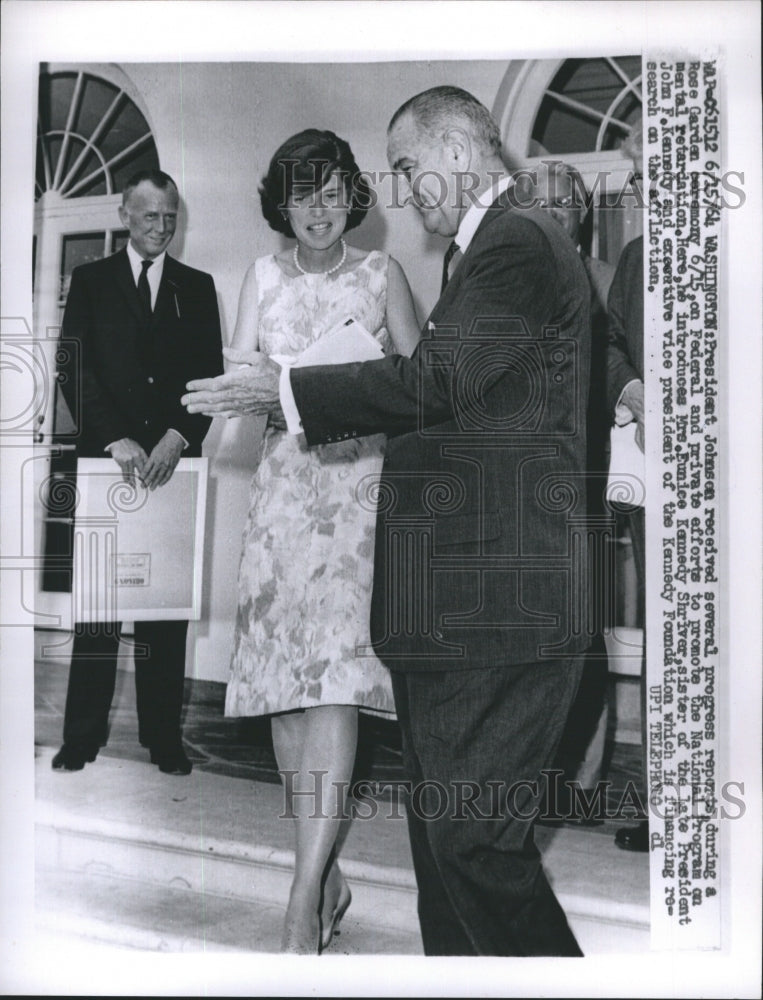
point(347, 342)
point(253, 388)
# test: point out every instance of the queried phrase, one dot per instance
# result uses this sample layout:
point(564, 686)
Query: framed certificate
point(138, 554)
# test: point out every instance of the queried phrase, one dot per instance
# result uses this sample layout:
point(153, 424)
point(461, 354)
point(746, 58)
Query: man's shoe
point(72, 758)
point(171, 760)
point(634, 838)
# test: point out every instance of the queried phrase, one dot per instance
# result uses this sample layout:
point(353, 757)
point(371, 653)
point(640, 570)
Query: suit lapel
point(501, 204)
point(168, 297)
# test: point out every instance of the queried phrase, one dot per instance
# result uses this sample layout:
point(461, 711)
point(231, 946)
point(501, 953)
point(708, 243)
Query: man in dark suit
point(479, 592)
point(559, 189)
point(143, 324)
point(625, 402)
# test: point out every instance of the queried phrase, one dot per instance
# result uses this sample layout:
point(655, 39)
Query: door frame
point(54, 219)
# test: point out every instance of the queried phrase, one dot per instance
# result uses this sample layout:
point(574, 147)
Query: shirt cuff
point(173, 431)
point(288, 403)
point(623, 413)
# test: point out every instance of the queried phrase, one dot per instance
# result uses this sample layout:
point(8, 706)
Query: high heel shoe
point(345, 898)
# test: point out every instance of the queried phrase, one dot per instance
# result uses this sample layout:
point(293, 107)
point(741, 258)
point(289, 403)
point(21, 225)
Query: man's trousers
point(159, 652)
point(484, 736)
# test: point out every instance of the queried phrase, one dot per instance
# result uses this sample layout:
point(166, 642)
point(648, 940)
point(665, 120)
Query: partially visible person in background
point(625, 403)
point(144, 323)
point(559, 189)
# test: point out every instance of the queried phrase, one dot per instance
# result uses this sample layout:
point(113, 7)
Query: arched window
point(588, 107)
point(91, 136)
point(578, 110)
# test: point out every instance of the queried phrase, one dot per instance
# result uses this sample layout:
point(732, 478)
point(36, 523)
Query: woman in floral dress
point(301, 649)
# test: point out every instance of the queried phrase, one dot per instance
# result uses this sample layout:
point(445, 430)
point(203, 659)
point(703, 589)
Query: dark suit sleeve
point(621, 364)
point(202, 358)
point(90, 405)
point(507, 278)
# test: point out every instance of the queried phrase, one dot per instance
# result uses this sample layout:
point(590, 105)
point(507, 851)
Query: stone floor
point(242, 748)
point(130, 862)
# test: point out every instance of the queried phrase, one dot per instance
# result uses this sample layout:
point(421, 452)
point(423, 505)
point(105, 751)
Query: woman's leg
point(318, 744)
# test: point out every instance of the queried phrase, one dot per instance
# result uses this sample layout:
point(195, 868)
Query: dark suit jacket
point(600, 275)
point(120, 379)
point(482, 498)
point(625, 335)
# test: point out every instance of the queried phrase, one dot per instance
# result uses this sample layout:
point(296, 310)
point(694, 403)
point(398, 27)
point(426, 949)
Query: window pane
point(119, 239)
point(73, 152)
point(78, 248)
point(144, 158)
point(91, 165)
point(55, 97)
point(96, 100)
point(125, 127)
point(41, 183)
point(592, 85)
point(54, 150)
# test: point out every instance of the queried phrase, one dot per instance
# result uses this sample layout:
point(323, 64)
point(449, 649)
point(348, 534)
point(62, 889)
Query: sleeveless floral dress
point(302, 627)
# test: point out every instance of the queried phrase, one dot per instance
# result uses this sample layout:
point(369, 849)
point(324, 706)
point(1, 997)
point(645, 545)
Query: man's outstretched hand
point(253, 388)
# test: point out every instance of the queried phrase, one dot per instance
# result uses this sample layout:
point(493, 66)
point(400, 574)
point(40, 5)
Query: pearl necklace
point(342, 259)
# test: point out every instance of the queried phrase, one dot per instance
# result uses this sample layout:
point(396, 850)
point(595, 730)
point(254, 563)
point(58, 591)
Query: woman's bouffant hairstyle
point(307, 160)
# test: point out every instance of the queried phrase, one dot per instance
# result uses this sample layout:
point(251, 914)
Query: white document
point(138, 554)
point(626, 482)
point(347, 342)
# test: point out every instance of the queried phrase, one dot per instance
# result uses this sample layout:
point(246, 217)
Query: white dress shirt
point(154, 273)
point(154, 276)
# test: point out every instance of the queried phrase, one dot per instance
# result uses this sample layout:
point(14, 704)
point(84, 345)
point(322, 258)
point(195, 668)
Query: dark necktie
point(144, 289)
point(452, 249)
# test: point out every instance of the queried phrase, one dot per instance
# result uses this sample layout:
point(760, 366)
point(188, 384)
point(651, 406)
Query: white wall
point(216, 126)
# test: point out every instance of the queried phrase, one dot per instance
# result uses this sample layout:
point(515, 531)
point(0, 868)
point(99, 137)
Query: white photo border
point(154, 30)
